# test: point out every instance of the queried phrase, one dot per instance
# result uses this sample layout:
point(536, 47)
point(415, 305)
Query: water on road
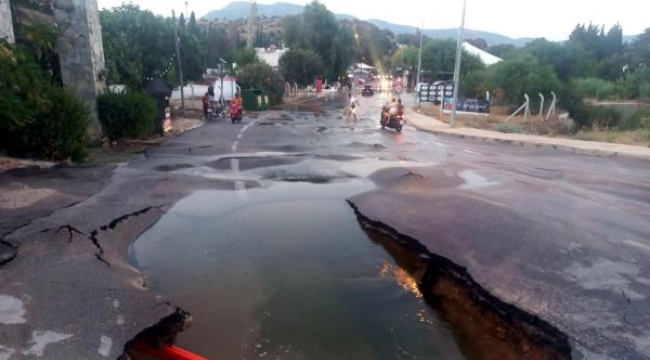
point(287, 272)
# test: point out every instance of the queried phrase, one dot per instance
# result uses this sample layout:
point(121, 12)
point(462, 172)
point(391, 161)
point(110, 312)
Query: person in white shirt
point(354, 104)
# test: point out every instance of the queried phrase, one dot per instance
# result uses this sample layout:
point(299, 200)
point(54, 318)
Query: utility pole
point(180, 64)
point(459, 52)
point(417, 75)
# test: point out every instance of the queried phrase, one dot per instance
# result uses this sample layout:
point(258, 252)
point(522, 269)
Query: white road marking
point(41, 339)
point(116, 303)
point(240, 186)
point(234, 164)
point(472, 152)
point(105, 346)
point(120, 320)
point(241, 134)
point(12, 310)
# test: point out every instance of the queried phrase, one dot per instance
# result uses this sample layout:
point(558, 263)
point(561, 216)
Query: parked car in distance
point(367, 91)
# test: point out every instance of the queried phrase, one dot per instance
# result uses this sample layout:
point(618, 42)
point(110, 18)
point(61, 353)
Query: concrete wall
point(6, 23)
point(81, 51)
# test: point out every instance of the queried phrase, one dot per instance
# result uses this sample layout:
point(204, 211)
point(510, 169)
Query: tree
point(555, 55)
point(638, 52)
point(191, 25)
point(314, 29)
point(502, 50)
point(181, 21)
point(406, 57)
point(261, 76)
point(139, 45)
point(345, 50)
point(521, 75)
point(301, 66)
point(218, 45)
point(439, 56)
point(479, 43)
point(245, 57)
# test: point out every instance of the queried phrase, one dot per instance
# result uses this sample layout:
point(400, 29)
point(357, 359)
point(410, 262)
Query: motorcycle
point(236, 113)
point(394, 122)
point(215, 112)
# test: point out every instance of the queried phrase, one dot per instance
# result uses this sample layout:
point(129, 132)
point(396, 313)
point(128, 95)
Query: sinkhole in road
point(289, 272)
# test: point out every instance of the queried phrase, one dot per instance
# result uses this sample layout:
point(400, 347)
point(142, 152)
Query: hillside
point(239, 9)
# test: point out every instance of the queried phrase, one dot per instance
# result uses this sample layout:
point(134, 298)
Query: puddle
point(474, 180)
point(287, 273)
point(247, 163)
point(168, 168)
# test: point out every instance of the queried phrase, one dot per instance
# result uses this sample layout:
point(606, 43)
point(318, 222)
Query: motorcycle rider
point(237, 103)
point(390, 110)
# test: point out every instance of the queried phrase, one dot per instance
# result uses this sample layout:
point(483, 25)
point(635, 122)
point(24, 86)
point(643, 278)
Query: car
point(367, 91)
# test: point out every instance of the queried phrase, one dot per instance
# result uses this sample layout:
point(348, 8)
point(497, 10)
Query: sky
point(552, 19)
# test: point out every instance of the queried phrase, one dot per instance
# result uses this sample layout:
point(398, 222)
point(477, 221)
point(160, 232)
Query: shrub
point(594, 88)
point(126, 115)
point(37, 118)
point(509, 129)
point(61, 131)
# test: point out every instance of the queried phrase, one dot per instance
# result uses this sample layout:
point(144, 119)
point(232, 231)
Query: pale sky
point(553, 19)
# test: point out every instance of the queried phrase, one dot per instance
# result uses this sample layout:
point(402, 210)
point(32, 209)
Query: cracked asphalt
point(561, 236)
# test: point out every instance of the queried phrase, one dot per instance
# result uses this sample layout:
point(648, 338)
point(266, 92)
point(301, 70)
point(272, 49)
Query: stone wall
point(81, 51)
point(6, 22)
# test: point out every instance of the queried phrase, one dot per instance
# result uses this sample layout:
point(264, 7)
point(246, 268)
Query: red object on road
point(144, 351)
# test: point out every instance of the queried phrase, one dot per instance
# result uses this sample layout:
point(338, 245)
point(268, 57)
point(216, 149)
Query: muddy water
point(287, 272)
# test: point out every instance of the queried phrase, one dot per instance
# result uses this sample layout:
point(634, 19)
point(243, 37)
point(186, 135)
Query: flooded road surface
point(287, 272)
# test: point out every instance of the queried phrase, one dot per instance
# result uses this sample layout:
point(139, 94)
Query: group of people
point(394, 108)
point(208, 99)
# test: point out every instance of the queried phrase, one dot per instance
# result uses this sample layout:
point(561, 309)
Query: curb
point(531, 143)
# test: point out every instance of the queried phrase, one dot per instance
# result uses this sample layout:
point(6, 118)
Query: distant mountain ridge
point(239, 9)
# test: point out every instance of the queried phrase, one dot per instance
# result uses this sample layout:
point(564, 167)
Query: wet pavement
point(248, 229)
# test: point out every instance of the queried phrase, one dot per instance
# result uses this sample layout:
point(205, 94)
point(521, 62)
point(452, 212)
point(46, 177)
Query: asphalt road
point(562, 236)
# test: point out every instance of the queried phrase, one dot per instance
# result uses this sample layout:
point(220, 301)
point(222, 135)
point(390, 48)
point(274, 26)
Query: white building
point(271, 55)
point(487, 58)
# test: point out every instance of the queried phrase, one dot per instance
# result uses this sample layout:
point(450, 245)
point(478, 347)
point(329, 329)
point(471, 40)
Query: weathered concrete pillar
point(6, 23)
point(81, 51)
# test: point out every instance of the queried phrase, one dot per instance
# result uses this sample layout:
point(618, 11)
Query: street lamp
point(459, 52)
point(180, 64)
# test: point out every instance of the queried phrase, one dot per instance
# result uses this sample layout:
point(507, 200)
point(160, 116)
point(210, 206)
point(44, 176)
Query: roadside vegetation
point(41, 118)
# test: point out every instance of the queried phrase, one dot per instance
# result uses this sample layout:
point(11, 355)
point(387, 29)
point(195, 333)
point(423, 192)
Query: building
point(271, 55)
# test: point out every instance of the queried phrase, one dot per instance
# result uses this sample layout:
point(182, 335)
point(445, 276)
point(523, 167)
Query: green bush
point(509, 129)
point(640, 119)
point(60, 131)
point(594, 88)
point(37, 118)
point(126, 115)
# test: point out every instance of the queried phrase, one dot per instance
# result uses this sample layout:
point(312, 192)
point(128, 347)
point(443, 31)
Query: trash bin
point(255, 99)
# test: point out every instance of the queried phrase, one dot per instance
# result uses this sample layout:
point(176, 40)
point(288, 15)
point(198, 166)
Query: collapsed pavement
point(583, 270)
point(68, 289)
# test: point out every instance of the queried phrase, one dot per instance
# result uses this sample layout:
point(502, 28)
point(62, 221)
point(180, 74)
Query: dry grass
point(637, 137)
point(497, 120)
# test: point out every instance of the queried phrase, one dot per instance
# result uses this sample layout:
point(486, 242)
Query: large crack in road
point(477, 313)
